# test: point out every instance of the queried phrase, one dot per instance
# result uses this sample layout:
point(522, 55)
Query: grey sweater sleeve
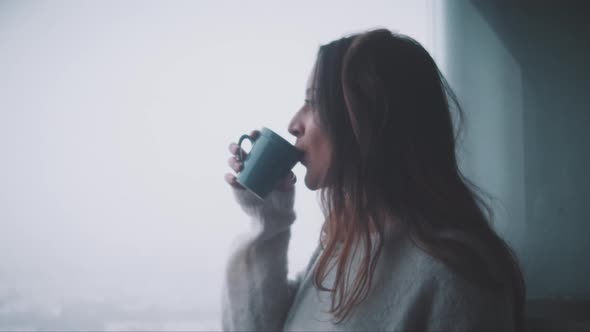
point(257, 294)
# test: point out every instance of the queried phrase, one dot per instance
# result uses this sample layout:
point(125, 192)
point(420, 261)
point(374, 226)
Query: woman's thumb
point(287, 183)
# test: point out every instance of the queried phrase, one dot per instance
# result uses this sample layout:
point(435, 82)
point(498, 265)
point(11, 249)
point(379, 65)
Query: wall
point(521, 71)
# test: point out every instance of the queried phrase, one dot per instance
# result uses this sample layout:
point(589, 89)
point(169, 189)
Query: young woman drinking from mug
point(407, 243)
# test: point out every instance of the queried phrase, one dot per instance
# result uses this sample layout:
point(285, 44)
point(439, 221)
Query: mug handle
point(240, 156)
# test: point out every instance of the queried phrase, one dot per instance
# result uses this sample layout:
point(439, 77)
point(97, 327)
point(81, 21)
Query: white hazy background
point(115, 119)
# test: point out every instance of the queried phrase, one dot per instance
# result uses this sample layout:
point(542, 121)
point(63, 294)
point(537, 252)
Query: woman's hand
point(286, 184)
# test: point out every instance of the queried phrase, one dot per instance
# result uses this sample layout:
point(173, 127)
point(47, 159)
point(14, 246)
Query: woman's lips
point(302, 159)
point(301, 155)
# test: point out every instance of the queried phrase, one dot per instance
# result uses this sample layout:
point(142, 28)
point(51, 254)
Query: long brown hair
point(384, 105)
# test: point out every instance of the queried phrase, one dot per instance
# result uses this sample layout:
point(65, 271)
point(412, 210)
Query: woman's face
point(311, 140)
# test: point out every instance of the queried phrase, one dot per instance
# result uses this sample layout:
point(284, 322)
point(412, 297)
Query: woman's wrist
point(271, 215)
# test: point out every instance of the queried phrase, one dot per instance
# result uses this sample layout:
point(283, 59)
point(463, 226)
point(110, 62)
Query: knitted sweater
point(411, 290)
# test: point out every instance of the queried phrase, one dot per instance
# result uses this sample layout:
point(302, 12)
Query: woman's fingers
point(234, 148)
point(234, 164)
point(287, 183)
point(231, 180)
point(254, 134)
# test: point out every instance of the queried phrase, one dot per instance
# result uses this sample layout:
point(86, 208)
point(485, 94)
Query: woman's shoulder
point(406, 263)
point(406, 260)
point(403, 255)
point(427, 280)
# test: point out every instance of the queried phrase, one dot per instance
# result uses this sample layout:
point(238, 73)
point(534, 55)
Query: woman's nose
point(295, 128)
point(294, 131)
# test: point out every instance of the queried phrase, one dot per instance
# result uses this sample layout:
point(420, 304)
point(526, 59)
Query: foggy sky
point(115, 117)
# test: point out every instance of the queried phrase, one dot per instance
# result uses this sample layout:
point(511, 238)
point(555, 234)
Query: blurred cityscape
point(18, 312)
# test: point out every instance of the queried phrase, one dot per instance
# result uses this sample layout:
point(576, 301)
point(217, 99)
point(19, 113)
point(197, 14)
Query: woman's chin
point(310, 183)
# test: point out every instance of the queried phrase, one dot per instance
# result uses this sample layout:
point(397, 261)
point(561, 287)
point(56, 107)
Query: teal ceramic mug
point(270, 159)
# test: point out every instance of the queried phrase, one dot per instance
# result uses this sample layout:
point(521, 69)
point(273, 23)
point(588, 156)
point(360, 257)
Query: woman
point(406, 244)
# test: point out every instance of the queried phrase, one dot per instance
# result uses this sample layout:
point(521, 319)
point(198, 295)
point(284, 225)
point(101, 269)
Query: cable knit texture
point(411, 290)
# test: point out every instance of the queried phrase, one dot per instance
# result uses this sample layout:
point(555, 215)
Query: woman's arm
point(257, 294)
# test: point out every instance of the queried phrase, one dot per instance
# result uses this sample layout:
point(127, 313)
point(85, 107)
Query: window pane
point(115, 118)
